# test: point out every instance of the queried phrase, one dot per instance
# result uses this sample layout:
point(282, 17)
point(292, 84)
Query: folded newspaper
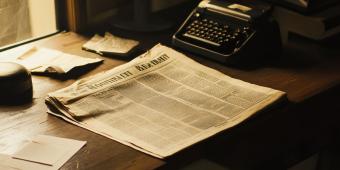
point(45, 60)
point(110, 44)
point(160, 103)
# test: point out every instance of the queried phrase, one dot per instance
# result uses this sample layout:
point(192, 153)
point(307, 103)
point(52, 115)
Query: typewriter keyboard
point(226, 37)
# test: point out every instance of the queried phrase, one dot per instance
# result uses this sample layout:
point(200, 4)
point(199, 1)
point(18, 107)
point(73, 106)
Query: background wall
point(161, 4)
point(98, 11)
point(101, 10)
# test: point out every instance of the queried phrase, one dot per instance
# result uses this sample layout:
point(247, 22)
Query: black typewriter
point(229, 31)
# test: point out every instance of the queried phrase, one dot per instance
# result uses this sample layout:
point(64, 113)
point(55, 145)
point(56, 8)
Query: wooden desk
point(309, 74)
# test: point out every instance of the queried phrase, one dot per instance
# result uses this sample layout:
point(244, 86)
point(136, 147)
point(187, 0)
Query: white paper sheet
point(48, 150)
point(9, 163)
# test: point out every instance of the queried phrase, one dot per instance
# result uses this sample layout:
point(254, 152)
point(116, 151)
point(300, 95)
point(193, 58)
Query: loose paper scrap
point(44, 60)
point(40, 152)
point(49, 150)
point(110, 44)
point(9, 163)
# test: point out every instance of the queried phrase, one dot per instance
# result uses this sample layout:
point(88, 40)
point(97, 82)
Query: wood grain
point(302, 74)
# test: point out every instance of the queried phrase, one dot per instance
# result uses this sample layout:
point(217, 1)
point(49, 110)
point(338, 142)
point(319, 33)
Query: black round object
point(15, 83)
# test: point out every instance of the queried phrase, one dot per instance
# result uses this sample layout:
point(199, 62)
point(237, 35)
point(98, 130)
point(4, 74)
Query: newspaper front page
point(161, 102)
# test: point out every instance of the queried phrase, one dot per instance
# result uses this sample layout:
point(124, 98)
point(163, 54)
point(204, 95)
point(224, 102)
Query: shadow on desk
point(275, 139)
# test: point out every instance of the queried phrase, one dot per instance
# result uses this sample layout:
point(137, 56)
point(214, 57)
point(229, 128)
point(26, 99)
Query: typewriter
point(230, 31)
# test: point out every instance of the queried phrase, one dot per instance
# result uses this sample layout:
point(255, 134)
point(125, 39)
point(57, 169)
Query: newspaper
point(160, 103)
point(45, 60)
point(110, 44)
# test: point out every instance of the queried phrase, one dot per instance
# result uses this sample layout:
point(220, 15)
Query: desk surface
point(303, 72)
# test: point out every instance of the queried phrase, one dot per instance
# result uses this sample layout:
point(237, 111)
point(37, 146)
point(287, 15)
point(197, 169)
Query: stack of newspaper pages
point(160, 103)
